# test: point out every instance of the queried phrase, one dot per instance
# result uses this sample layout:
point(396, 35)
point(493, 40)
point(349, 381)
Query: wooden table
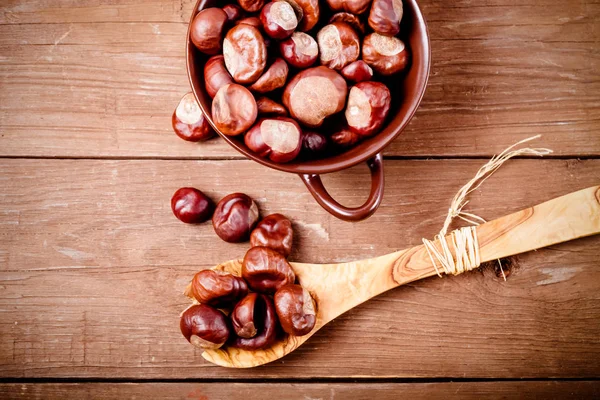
point(93, 263)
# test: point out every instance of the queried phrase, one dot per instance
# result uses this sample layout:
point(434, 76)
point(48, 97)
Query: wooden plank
point(93, 265)
point(101, 80)
point(303, 391)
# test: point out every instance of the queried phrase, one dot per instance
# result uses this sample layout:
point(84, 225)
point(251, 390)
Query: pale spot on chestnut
point(387, 45)
point(284, 15)
point(281, 136)
point(358, 112)
point(188, 110)
point(305, 44)
point(339, 45)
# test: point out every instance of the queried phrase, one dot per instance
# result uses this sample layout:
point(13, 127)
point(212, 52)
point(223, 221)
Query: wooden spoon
point(337, 288)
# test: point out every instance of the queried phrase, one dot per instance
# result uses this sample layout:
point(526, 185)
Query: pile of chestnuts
point(279, 73)
point(253, 310)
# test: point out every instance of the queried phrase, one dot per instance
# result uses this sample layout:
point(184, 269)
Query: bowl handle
point(315, 186)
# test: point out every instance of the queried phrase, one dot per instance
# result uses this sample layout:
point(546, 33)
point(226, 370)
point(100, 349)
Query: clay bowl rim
point(366, 149)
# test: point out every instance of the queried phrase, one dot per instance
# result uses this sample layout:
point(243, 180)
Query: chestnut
point(345, 138)
point(278, 19)
point(235, 217)
point(352, 6)
point(204, 326)
point(314, 94)
point(188, 121)
point(255, 319)
point(233, 11)
point(252, 21)
point(301, 50)
point(385, 54)
point(297, 9)
point(191, 206)
point(314, 144)
point(368, 107)
point(273, 78)
point(216, 75)
point(358, 71)
point(279, 139)
point(207, 28)
point(266, 106)
point(311, 14)
point(339, 45)
point(385, 16)
point(266, 270)
point(296, 310)
point(251, 5)
point(351, 19)
point(234, 109)
point(275, 232)
point(218, 288)
point(245, 53)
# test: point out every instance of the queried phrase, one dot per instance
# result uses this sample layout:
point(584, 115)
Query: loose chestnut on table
point(191, 206)
point(207, 30)
point(296, 310)
point(275, 232)
point(278, 138)
point(218, 288)
point(315, 94)
point(266, 270)
point(189, 122)
point(235, 217)
point(204, 327)
point(264, 321)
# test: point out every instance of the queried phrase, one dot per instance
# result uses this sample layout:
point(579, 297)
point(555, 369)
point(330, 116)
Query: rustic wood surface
point(93, 264)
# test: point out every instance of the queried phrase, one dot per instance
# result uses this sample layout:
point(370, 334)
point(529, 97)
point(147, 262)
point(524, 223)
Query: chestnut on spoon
point(337, 288)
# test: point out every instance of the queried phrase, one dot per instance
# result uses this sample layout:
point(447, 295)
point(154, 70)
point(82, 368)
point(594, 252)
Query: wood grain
point(303, 391)
point(94, 264)
point(100, 79)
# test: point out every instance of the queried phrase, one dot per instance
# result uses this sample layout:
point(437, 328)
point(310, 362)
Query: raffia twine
point(464, 241)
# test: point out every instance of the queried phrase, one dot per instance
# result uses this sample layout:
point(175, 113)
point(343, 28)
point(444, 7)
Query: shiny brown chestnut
point(311, 14)
point(296, 310)
point(191, 206)
point(235, 217)
point(234, 109)
point(188, 121)
point(275, 232)
point(358, 71)
point(385, 54)
point(251, 5)
point(266, 270)
point(314, 94)
point(218, 288)
point(352, 6)
point(338, 45)
point(278, 19)
point(268, 107)
point(278, 139)
point(233, 11)
point(264, 320)
point(204, 326)
point(274, 77)
point(368, 107)
point(314, 144)
point(301, 50)
point(245, 53)
point(385, 16)
point(243, 316)
point(353, 20)
point(345, 138)
point(207, 29)
point(216, 75)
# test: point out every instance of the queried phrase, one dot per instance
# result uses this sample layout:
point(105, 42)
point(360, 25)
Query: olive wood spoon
point(337, 288)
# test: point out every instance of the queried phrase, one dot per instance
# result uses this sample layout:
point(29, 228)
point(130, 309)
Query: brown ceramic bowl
point(407, 91)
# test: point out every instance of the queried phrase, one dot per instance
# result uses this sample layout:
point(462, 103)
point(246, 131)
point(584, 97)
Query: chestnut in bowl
point(339, 45)
point(269, 107)
point(234, 109)
point(387, 55)
point(278, 138)
point(385, 16)
point(235, 217)
point(368, 107)
point(278, 19)
point(216, 75)
point(206, 30)
point(300, 50)
point(245, 53)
